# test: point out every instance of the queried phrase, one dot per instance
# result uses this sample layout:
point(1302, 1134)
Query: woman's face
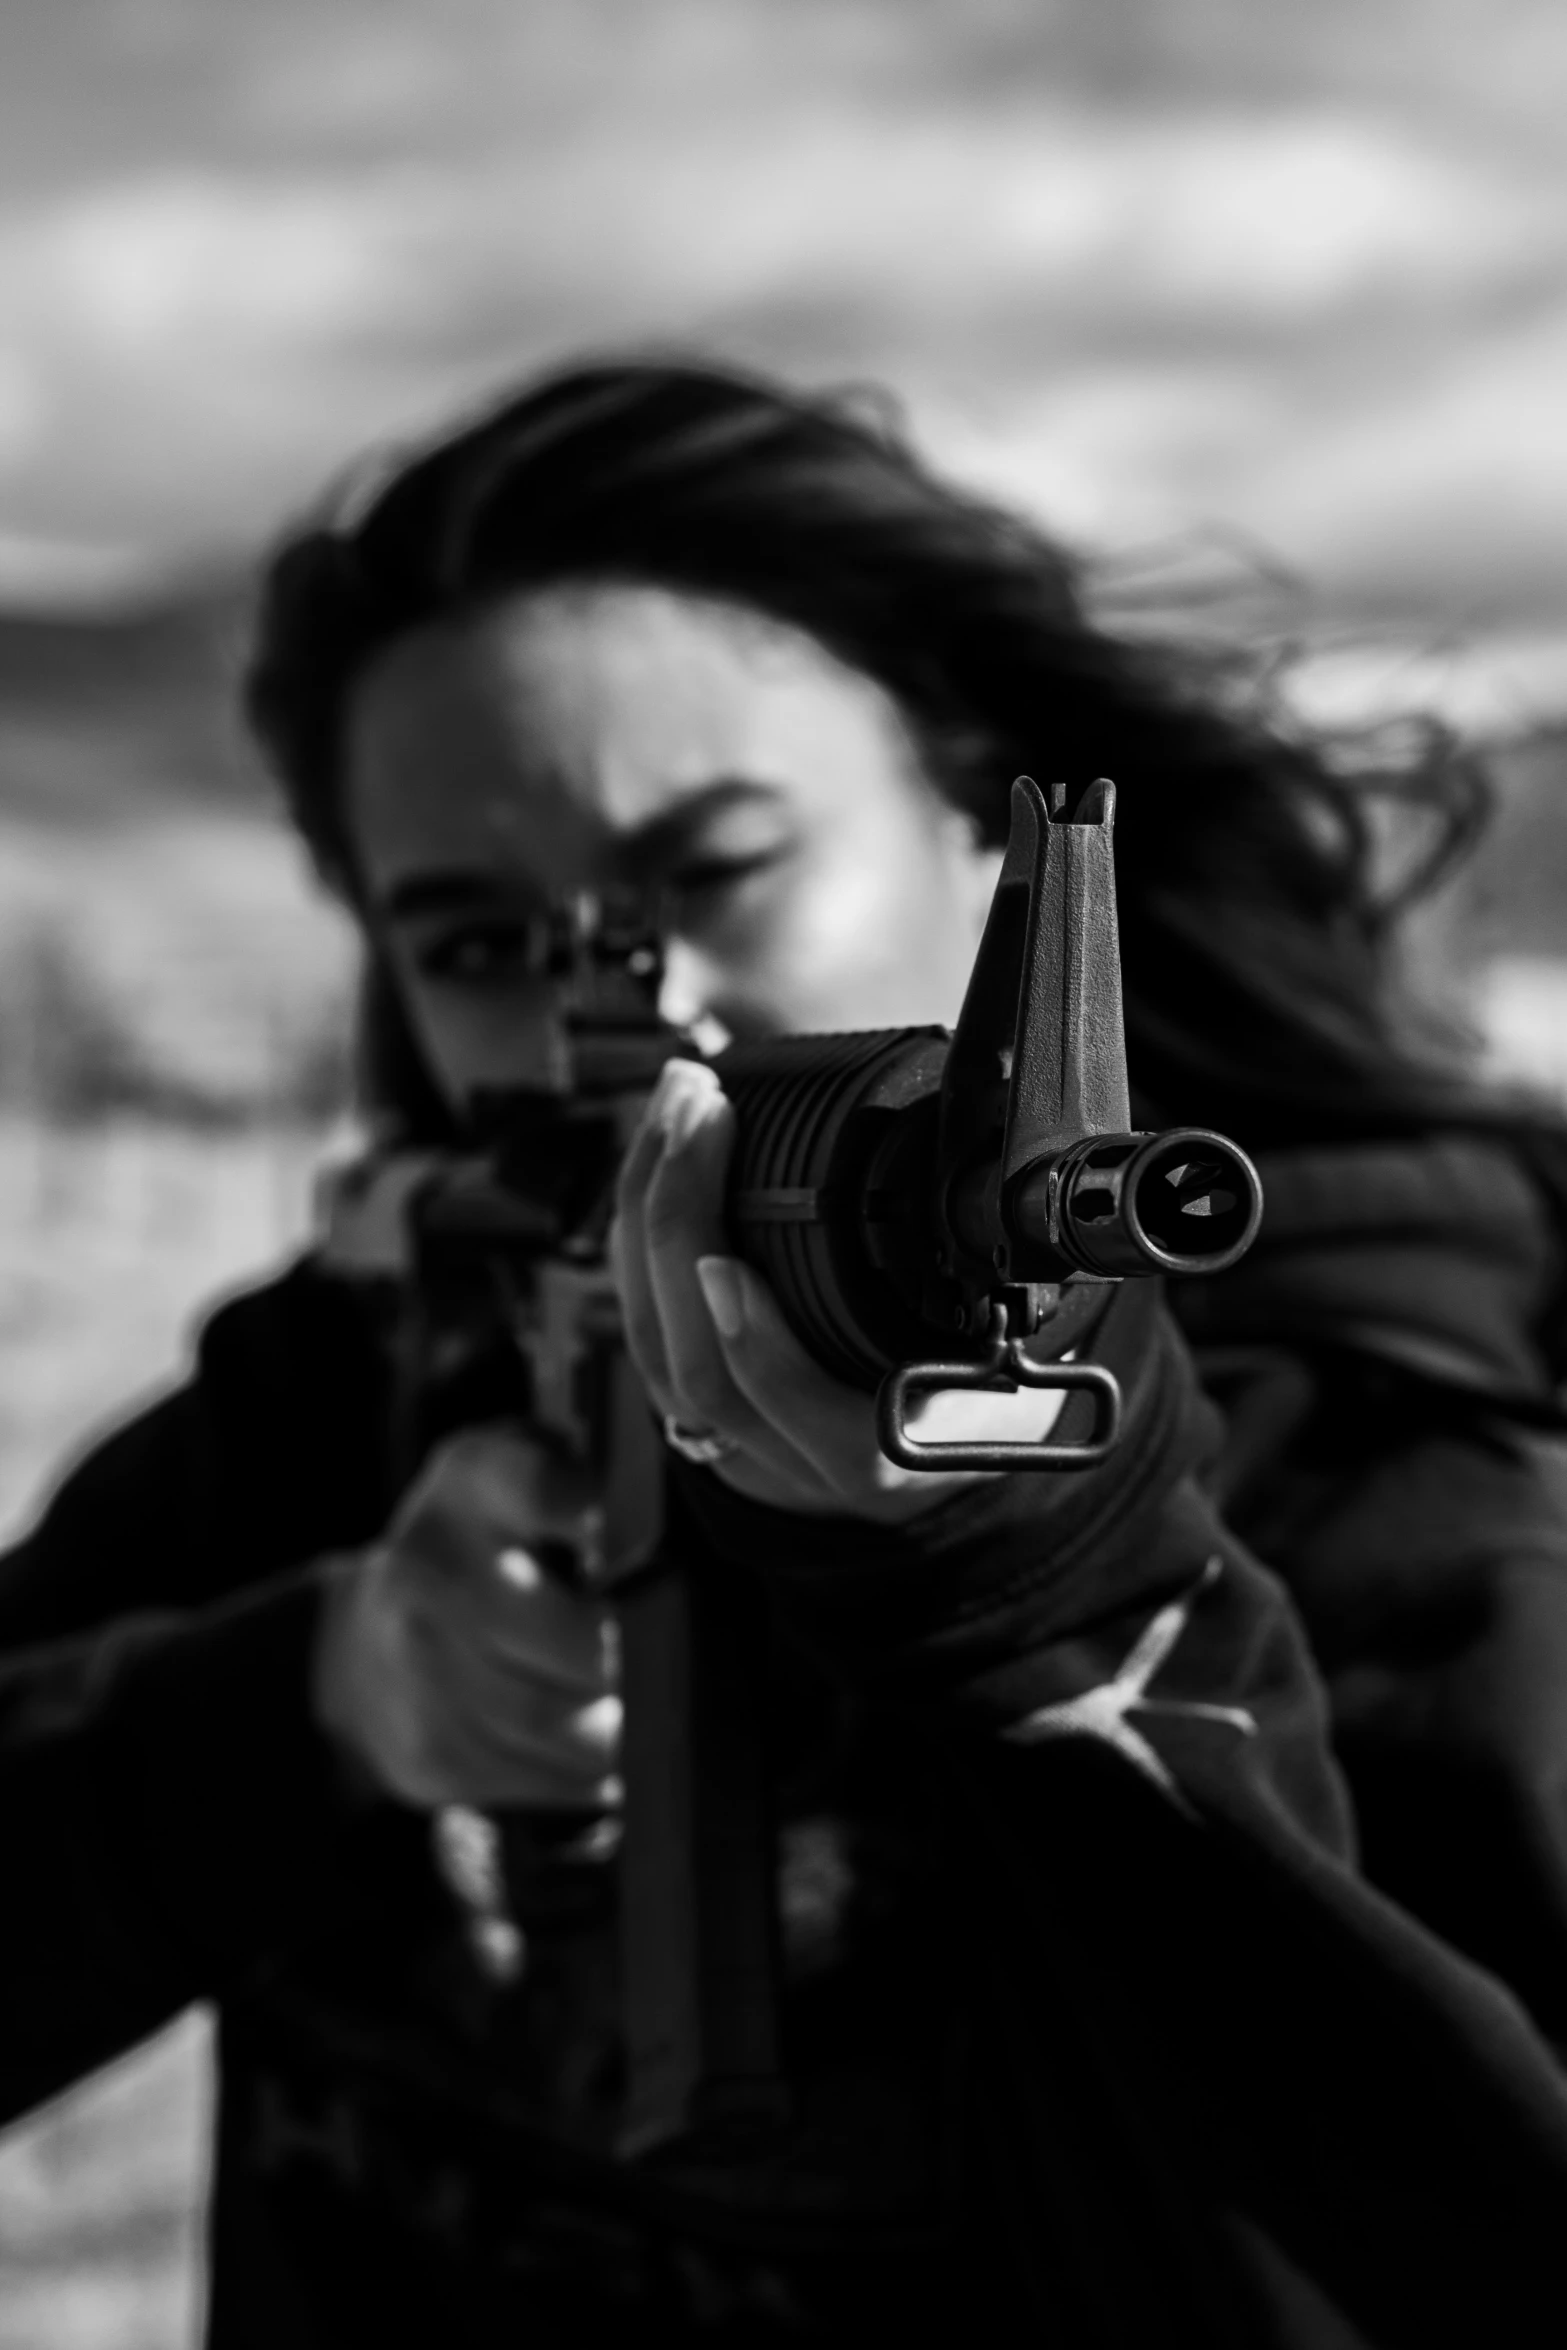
point(587, 737)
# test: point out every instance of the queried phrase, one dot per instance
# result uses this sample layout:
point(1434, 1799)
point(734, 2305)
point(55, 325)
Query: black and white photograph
point(783, 1175)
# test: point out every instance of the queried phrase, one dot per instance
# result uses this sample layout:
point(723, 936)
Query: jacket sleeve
point(1296, 2116)
point(1423, 1536)
point(172, 1818)
point(1384, 1361)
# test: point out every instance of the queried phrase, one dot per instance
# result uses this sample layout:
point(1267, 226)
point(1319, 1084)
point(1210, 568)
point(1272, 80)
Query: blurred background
point(1268, 299)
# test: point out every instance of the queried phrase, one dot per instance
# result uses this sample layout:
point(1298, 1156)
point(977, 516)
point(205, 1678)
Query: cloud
point(21, 405)
point(181, 272)
point(927, 224)
point(1137, 303)
point(1103, 449)
point(1488, 682)
point(185, 348)
point(1450, 470)
point(1143, 218)
point(1258, 218)
point(59, 574)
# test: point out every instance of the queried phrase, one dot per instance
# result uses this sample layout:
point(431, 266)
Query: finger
point(526, 1717)
point(464, 1487)
point(471, 1704)
point(648, 1139)
point(533, 1619)
point(628, 1237)
point(453, 1761)
point(669, 1216)
point(500, 1746)
point(639, 1309)
point(488, 1493)
point(511, 1484)
point(489, 1783)
point(428, 1744)
point(830, 1426)
point(682, 1220)
point(508, 1604)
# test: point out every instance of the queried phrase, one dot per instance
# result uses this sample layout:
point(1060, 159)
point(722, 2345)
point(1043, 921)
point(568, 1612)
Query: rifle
point(903, 1191)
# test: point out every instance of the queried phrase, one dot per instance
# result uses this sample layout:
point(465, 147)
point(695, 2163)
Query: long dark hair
point(1255, 941)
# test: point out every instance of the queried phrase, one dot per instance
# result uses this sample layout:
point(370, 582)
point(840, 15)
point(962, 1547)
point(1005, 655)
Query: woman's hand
point(716, 1354)
point(451, 1666)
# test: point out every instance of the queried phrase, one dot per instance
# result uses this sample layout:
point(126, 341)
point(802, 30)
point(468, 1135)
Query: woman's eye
point(482, 953)
point(702, 876)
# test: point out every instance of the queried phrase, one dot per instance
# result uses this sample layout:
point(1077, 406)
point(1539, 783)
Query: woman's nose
point(682, 998)
point(685, 995)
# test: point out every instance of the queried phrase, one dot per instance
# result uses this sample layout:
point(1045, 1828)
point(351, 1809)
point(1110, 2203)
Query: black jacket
point(1094, 2027)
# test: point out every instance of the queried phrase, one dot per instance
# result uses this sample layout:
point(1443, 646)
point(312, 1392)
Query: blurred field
point(113, 1234)
point(171, 1042)
point(172, 1024)
point(100, 2201)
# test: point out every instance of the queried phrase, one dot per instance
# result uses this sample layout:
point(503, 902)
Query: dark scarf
point(1440, 1256)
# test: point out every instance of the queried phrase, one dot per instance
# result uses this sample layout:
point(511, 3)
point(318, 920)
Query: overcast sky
point(1295, 269)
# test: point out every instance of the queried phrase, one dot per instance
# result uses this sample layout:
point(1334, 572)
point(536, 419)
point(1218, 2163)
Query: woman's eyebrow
point(455, 890)
point(663, 837)
point(459, 889)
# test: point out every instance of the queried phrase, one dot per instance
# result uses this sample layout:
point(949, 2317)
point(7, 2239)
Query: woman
point(1091, 2027)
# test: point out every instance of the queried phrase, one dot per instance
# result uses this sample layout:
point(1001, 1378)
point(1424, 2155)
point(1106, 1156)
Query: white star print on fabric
point(1103, 1712)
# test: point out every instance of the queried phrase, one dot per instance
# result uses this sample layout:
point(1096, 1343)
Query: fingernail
point(519, 1570)
point(686, 1106)
point(720, 1279)
point(682, 1122)
point(598, 1723)
point(659, 1107)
